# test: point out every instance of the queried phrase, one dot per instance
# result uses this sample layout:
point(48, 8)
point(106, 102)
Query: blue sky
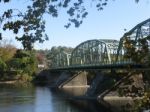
point(106, 24)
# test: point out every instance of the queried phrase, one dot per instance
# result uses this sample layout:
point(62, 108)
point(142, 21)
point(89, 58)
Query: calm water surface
point(36, 99)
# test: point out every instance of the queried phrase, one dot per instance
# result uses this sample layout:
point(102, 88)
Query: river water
point(29, 98)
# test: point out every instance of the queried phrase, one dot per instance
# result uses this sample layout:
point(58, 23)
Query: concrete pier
point(77, 80)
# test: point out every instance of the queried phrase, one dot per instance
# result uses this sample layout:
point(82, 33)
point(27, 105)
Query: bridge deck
point(98, 66)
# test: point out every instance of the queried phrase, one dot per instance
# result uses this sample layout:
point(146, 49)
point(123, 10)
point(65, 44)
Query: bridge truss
point(101, 52)
point(61, 59)
point(140, 31)
point(94, 52)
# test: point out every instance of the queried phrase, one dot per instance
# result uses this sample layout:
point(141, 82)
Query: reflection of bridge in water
point(102, 53)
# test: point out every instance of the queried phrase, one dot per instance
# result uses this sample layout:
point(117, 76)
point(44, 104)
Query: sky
point(106, 24)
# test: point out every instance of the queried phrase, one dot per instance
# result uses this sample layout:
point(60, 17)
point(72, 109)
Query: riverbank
point(8, 82)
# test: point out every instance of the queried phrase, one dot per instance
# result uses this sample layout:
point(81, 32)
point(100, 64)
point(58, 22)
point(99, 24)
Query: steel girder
point(141, 30)
point(93, 52)
point(62, 59)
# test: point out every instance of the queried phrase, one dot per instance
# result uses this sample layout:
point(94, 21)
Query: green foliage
point(138, 51)
point(7, 52)
point(46, 57)
point(32, 20)
point(143, 103)
point(24, 60)
point(25, 63)
point(55, 50)
point(3, 65)
point(5, 0)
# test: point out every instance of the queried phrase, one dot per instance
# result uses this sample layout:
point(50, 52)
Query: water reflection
point(43, 101)
point(38, 99)
point(15, 99)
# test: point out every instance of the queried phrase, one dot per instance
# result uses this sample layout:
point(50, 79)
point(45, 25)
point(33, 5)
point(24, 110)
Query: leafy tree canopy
point(33, 24)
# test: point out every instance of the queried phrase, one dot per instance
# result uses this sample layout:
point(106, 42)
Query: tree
point(138, 51)
point(32, 21)
point(56, 50)
point(2, 65)
point(138, 54)
point(40, 58)
point(25, 63)
point(7, 50)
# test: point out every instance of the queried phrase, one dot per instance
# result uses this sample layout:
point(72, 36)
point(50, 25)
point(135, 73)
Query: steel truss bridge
point(102, 53)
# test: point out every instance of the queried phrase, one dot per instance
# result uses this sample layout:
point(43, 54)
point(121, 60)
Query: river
point(29, 98)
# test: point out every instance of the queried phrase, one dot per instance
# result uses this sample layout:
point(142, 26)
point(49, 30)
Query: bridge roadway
point(101, 67)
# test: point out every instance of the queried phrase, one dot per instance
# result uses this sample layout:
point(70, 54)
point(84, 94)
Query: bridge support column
point(65, 75)
point(76, 80)
point(75, 85)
